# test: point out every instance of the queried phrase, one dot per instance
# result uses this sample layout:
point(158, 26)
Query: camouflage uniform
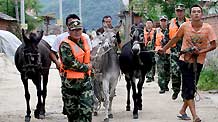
point(163, 65)
point(150, 75)
point(163, 69)
point(77, 94)
point(174, 58)
point(175, 71)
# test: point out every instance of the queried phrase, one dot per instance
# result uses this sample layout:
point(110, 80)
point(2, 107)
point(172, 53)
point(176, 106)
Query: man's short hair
point(196, 5)
point(108, 16)
point(71, 16)
point(150, 20)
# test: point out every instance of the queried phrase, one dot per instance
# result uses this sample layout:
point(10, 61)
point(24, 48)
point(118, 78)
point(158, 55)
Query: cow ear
point(40, 35)
point(25, 39)
point(117, 28)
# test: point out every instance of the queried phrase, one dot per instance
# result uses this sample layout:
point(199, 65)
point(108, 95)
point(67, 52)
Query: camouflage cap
point(75, 24)
point(179, 6)
point(163, 17)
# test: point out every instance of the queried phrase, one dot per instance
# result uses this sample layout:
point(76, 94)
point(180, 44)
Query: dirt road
point(156, 107)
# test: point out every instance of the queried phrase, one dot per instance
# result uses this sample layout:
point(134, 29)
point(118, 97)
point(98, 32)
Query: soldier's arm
point(54, 57)
point(69, 60)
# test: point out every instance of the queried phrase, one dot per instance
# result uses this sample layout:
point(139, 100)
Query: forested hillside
point(92, 10)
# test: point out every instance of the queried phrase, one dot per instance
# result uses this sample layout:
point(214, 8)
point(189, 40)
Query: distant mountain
point(92, 10)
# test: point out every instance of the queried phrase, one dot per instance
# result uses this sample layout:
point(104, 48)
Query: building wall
point(213, 21)
point(10, 26)
point(4, 25)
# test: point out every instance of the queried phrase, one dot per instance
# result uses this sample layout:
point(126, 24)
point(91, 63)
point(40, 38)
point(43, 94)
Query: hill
point(92, 10)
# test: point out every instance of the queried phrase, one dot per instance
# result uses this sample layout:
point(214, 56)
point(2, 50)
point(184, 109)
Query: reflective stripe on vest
point(82, 56)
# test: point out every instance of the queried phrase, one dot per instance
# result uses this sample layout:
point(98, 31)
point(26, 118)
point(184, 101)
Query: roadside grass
point(208, 79)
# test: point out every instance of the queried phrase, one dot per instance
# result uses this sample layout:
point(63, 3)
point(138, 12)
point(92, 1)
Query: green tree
point(155, 8)
point(8, 7)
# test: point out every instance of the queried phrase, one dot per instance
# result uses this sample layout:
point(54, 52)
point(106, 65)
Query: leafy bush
point(209, 75)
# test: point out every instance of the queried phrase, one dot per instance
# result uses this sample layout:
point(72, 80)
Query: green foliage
point(168, 7)
point(155, 8)
point(209, 75)
point(33, 23)
point(8, 7)
point(208, 79)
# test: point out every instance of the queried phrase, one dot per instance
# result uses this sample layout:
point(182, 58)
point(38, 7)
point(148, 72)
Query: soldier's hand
point(161, 51)
point(89, 66)
point(58, 64)
point(196, 50)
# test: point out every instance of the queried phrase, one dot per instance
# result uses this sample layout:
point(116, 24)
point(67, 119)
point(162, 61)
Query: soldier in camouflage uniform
point(163, 62)
point(77, 93)
point(175, 23)
point(149, 33)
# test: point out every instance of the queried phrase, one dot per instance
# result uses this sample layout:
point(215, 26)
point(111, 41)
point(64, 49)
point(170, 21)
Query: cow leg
point(139, 86)
point(37, 82)
point(128, 87)
point(106, 98)
point(44, 94)
point(96, 105)
point(27, 97)
point(112, 89)
point(134, 96)
point(110, 115)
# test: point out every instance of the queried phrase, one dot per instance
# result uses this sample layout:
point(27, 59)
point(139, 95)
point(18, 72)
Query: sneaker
point(174, 96)
point(161, 91)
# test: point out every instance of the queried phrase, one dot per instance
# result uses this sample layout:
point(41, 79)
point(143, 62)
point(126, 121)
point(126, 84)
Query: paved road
point(156, 107)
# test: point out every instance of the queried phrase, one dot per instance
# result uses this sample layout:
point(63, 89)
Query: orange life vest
point(83, 56)
point(159, 37)
point(173, 28)
point(148, 36)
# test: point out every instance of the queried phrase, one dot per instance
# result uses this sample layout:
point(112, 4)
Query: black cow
point(135, 62)
point(33, 62)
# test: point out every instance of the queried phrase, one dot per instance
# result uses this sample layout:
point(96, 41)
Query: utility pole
point(22, 13)
point(80, 9)
point(16, 10)
point(61, 15)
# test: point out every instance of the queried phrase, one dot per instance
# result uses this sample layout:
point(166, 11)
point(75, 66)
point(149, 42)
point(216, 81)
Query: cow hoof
point(127, 108)
point(110, 116)
point(41, 116)
point(106, 120)
point(135, 116)
point(140, 108)
point(36, 114)
point(95, 113)
point(27, 118)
